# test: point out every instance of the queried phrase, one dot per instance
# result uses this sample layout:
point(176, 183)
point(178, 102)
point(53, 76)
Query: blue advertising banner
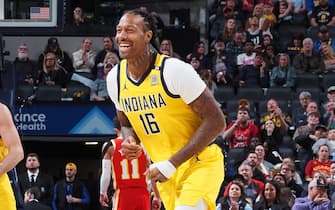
point(65, 118)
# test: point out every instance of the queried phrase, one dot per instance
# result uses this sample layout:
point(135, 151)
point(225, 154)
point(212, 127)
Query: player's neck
point(138, 66)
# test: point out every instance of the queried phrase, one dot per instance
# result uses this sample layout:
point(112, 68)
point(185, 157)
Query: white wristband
point(165, 167)
point(105, 176)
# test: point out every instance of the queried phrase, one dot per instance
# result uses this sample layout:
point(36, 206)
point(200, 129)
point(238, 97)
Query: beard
point(22, 56)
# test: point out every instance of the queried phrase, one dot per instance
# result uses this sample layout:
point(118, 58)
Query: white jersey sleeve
point(112, 86)
point(181, 79)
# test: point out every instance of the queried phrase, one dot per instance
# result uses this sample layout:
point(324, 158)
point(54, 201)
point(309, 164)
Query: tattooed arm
point(213, 123)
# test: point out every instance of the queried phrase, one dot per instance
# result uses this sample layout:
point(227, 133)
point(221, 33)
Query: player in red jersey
point(132, 190)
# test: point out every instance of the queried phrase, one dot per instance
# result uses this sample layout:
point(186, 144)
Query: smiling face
point(132, 36)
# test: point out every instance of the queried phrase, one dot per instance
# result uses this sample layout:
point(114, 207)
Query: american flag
point(39, 12)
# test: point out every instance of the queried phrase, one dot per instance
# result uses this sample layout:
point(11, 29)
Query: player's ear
point(148, 36)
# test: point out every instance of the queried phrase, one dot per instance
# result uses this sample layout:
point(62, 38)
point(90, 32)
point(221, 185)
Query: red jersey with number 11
point(128, 173)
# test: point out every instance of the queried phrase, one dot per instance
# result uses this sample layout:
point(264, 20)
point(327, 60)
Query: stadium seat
point(279, 93)
point(307, 81)
point(49, 93)
point(327, 81)
point(24, 91)
point(77, 91)
point(253, 94)
point(224, 94)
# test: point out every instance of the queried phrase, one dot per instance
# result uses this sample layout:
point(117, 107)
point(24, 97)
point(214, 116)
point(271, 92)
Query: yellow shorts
point(7, 200)
point(198, 178)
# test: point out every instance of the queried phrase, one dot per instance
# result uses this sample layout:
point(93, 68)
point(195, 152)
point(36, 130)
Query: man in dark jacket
point(70, 193)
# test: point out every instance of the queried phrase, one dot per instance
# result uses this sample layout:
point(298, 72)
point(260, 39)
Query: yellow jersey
point(163, 122)
point(7, 200)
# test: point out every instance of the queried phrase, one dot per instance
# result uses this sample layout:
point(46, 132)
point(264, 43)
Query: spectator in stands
point(269, 56)
point(331, 180)
point(268, 21)
point(195, 63)
point(254, 32)
point(284, 15)
point(78, 16)
point(272, 139)
point(298, 11)
point(52, 72)
point(25, 69)
point(31, 200)
point(305, 97)
point(295, 47)
point(227, 11)
point(274, 113)
point(296, 176)
point(62, 58)
point(253, 188)
point(166, 48)
point(258, 172)
point(329, 108)
point(284, 74)
point(312, 106)
point(265, 166)
point(328, 141)
point(328, 59)
point(228, 32)
point(206, 76)
point(312, 4)
point(255, 75)
point(108, 46)
point(323, 14)
point(321, 163)
point(266, 40)
point(199, 51)
point(306, 142)
point(235, 199)
point(270, 198)
point(316, 198)
point(248, 56)
point(288, 170)
point(70, 193)
point(83, 59)
point(251, 8)
point(234, 48)
point(240, 133)
point(221, 75)
point(34, 177)
point(101, 94)
point(307, 61)
point(323, 36)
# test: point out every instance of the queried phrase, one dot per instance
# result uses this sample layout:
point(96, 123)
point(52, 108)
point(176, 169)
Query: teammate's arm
point(11, 138)
point(106, 175)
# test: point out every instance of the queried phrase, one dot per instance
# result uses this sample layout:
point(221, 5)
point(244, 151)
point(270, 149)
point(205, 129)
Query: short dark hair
point(35, 191)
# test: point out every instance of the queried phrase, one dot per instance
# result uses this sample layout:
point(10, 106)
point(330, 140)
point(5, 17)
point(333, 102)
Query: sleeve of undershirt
point(181, 79)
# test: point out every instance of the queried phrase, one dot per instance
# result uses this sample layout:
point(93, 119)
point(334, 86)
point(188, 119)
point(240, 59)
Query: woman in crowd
point(235, 200)
point(166, 48)
point(328, 58)
point(284, 74)
point(271, 198)
point(52, 73)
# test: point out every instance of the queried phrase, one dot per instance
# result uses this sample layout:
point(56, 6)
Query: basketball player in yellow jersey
point(11, 153)
point(163, 103)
